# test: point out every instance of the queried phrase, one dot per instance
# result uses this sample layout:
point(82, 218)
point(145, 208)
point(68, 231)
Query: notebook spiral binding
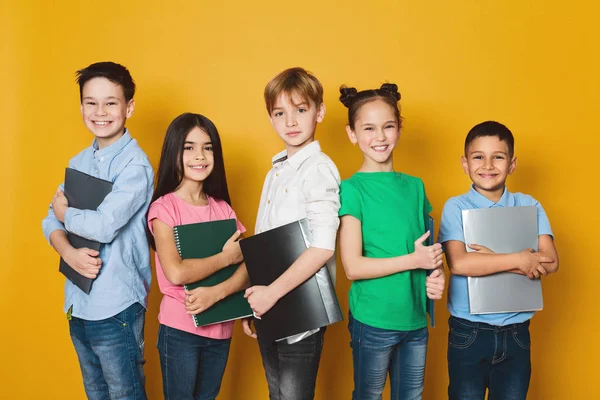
point(177, 243)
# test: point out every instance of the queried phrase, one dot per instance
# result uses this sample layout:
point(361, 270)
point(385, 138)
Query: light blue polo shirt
point(451, 228)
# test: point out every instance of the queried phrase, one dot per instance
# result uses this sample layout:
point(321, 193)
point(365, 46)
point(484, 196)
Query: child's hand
point(60, 205)
point(260, 299)
point(531, 263)
point(232, 249)
point(85, 261)
point(200, 299)
point(481, 249)
point(427, 257)
point(246, 325)
point(435, 284)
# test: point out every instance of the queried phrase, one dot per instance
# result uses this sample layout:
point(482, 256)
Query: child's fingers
point(435, 274)
point(248, 292)
point(423, 238)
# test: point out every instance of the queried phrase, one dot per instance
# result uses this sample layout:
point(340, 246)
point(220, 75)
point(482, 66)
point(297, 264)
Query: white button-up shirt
point(304, 186)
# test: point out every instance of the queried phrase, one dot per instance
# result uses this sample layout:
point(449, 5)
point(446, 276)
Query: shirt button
point(277, 174)
point(286, 190)
point(268, 201)
point(101, 158)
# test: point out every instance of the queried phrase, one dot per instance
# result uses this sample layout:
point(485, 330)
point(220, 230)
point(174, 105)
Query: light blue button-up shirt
point(451, 228)
point(118, 223)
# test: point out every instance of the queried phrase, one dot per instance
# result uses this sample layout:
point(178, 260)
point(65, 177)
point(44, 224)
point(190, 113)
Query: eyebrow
point(190, 142)
point(495, 152)
point(391, 121)
point(107, 98)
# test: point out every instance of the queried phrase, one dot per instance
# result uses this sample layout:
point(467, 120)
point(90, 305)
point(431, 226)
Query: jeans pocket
point(522, 337)
point(461, 336)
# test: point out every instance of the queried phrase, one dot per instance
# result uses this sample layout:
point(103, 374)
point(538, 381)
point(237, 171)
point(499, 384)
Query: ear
point(81, 108)
point(351, 134)
point(513, 166)
point(321, 112)
point(130, 108)
point(465, 164)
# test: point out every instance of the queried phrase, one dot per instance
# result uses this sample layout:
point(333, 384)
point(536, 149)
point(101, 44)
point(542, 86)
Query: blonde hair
point(294, 81)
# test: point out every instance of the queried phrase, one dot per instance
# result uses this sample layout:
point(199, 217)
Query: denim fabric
point(291, 369)
point(192, 366)
point(111, 354)
point(483, 356)
point(377, 352)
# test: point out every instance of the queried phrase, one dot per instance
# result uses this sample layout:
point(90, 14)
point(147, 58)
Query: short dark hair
point(114, 72)
point(171, 169)
point(491, 128)
point(354, 100)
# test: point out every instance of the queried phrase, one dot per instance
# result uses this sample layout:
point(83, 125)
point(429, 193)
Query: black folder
point(83, 192)
point(311, 305)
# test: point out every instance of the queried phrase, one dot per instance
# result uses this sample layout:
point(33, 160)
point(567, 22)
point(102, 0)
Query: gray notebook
point(503, 230)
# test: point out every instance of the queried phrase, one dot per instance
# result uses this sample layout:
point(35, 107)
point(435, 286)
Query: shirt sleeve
point(543, 221)
point(130, 192)
point(51, 223)
point(322, 192)
point(161, 212)
point(238, 223)
point(451, 225)
point(350, 199)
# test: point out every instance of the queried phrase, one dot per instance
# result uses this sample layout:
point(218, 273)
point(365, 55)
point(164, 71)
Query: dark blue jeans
point(482, 356)
point(291, 369)
point(377, 352)
point(111, 354)
point(192, 366)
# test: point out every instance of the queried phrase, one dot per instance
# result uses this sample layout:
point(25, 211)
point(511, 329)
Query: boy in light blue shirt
point(107, 325)
point(489, 351)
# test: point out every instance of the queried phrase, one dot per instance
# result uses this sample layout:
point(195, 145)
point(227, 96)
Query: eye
point(302, 110)
point(90, 103)
point(208, 148)
point(278, 114)
point(499, 157)
point(111, 103)
point(390, 126)
point(478, 157)
point(188, 148)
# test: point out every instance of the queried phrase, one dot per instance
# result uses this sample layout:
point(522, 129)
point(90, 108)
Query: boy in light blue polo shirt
point(489, 351)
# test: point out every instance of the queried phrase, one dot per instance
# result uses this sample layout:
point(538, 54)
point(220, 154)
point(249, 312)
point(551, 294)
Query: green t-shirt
point(392, 208)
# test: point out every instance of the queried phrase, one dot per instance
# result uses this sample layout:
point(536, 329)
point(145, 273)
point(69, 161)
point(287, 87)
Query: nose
point(290, 121)
point(100, 110)
point(200, 155)
point(380, 135)
point(488, 163)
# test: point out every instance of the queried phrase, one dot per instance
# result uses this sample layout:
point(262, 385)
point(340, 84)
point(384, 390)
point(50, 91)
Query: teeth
point(198, 166)
point(379, 148)
point(102, 123)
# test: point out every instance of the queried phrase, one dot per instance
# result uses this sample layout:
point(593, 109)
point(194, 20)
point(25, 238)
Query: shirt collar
point(114, 148)
point(297, 159)
point(481, 201)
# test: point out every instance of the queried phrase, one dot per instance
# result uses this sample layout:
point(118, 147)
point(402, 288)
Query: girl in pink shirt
point(191, 187)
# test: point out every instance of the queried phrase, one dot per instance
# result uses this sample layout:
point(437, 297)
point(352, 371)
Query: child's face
point(488, 164)
point(105, 110)
point(376, 131)
point(198, 157)
point(295, 120)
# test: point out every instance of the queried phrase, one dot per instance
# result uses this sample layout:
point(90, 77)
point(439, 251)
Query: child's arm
point(85, 261)
point(547, 249)
point(321, 191)
point(129, 194)
point(464, 263)
point(357, 266)
point(181, 272)
point(202, 298)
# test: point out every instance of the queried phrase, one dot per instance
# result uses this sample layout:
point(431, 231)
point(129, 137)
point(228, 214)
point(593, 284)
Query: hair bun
point(391, 89)
point(348, 94)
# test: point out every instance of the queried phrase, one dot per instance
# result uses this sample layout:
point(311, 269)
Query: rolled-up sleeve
point(51, 223)
point(129, 194)
point(322, 192)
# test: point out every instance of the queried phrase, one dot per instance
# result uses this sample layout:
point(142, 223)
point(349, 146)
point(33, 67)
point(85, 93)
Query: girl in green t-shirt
point(383, 216)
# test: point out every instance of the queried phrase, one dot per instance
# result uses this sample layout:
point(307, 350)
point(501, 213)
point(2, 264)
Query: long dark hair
point(170, 168)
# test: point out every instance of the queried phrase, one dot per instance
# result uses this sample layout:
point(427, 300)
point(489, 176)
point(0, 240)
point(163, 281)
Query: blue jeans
point(377, 352)
point(192, 366)
point(482, 356)
point(111, 354)
point(291, 369)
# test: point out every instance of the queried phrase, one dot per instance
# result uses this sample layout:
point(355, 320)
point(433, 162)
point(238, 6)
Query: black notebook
point(203, 240)
point(83, 192)
point(311, 305)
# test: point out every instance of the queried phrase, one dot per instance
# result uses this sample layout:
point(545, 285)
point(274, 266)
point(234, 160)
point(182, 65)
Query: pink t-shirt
point(173, 211)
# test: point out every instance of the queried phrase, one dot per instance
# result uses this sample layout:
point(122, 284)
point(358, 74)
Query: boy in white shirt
point(303, 183)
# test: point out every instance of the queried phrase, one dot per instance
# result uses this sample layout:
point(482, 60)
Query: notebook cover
point(311, 305)
point(203, 240)
point(503, 230)
point(84, 192)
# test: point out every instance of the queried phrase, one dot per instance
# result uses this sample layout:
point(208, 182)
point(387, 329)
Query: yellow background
point(532, 65)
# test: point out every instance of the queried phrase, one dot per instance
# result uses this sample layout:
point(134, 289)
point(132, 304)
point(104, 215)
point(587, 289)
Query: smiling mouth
point(381, 148)
point(102, 123)
point(198, 167)
point(488, 176)
point(295, 133)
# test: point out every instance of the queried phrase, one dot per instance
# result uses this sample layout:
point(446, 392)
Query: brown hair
point(354, 100)
point(292, 81)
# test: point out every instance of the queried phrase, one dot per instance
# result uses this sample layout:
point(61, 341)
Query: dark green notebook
point(204, 240)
